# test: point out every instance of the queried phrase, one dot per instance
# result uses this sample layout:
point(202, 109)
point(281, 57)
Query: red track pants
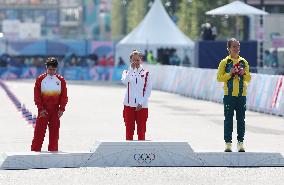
point(53, 123)
point(130, 117)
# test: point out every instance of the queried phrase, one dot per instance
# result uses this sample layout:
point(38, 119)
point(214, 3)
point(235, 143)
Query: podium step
point(32, 160)
point(152, 153)
point(138, 154)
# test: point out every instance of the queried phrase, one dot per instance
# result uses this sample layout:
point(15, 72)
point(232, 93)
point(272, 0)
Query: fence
point(70, 73)
point(265, 92)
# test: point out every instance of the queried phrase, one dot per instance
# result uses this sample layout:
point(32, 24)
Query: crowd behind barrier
point(73, 67)
point(96, 73)
point(265, 92)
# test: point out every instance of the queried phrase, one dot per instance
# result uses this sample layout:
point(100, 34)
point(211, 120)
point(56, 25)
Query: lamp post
point(262, 35)
point(123, 14)
point(4, 41)
point(246, 26)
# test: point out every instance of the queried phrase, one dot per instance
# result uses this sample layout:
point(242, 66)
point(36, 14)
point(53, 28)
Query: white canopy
point(156, 30)
point(236, 8)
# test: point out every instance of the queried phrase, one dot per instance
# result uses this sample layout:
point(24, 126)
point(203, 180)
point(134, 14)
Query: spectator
point(150, 57)
point(73, 61)
point(145, 55)
point(103, 61)
point(206, 32)
point(83, 62)
point(166, 56)
point(3, 61)
point(95, 58)
point(174, 59)
point(110, 61)
point(90, 61)
point(274, 59)
point(214, 32)
point(67, 58)
point(28, 61)
point(121, 62)
point(38, 62)
point(267, 58)
point(94, 73)
point(186, 61)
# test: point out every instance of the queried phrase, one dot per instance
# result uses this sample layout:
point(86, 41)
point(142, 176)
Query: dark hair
point(51, 61)
point(229, 42)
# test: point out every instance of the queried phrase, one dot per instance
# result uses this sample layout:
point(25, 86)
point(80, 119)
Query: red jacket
point(50, 92)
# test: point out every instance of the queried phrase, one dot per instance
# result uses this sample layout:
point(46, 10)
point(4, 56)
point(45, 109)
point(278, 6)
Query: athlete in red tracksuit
point(50, 96)
point(139, 88)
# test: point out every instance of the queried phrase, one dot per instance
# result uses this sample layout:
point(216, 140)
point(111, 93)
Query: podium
point(42, 160)
point(138, 154)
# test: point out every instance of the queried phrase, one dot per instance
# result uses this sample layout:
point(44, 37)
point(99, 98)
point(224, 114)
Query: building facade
point(70, 19)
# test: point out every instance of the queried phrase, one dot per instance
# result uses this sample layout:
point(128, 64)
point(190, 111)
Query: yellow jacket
point(233, 86)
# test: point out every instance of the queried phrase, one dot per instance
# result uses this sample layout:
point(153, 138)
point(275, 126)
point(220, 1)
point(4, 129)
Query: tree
point(127, 14)
point(116, 19)
point(136, 11)
point(184, 17)
point(192, 14)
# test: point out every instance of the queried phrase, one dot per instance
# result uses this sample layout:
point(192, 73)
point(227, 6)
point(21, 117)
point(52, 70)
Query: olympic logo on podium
point(144, 158)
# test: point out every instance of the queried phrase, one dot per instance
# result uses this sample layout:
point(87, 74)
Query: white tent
point(156, 30)
point(236, 8)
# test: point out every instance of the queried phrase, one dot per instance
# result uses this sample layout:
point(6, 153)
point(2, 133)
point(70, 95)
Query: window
point(69, 2)
point(51, 17)
point(12, 14)
point(27, 15)
point(70, 16)
point(39, 16)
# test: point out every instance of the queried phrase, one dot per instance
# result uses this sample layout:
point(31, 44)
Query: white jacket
point(135, 81)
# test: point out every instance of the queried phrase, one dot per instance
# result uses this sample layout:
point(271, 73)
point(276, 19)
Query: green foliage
point(191, 15)
point(116, 19)
point(136, 11)
point(184, 17)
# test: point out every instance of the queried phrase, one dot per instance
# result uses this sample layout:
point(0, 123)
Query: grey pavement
point(145, 176)
point(94, 112)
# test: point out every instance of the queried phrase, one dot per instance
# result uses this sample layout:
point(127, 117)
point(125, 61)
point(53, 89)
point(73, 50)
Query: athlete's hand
point(139, 107)
point(233, 71)
point(43, 114)
point(60, 113)
point(242, 72)
point(133, 65)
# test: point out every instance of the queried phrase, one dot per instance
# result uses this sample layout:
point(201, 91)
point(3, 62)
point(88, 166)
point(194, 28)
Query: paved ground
point(143, 176)
point(94, 113)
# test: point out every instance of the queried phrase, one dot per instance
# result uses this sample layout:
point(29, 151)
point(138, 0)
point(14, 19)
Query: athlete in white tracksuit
point(139, 86)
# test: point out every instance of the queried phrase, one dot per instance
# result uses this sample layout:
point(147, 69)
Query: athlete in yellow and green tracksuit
point(235, 91)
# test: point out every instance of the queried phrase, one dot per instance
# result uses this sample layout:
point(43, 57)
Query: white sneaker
point(228, 147)
point(241, 147)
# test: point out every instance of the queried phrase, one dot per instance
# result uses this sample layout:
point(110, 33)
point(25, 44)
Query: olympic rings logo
point(144, 158)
